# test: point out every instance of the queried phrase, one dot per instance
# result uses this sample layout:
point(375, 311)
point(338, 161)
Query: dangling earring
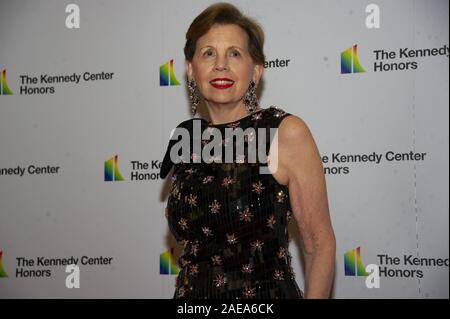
point(250, 99)
point(193, 96)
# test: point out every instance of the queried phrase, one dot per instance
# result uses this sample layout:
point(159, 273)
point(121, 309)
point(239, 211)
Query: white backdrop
point(61, 138)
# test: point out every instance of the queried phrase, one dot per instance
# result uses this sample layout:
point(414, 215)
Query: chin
point(221, 98)
point(221, 101)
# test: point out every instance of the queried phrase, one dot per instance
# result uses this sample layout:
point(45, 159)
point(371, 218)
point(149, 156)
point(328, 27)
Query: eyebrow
point(231, 47)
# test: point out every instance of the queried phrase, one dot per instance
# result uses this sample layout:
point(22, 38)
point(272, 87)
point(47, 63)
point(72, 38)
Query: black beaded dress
point(231, 219)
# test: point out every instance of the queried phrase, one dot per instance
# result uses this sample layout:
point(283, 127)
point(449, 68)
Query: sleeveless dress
point(231, 220)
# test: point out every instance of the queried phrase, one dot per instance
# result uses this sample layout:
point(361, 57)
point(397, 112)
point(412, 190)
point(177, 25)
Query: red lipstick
point(221, 83)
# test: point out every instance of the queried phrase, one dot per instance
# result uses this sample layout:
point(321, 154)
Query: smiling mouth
point(222, 83)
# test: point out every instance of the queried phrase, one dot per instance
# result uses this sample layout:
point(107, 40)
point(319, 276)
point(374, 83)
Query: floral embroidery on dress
point(184, 262)
point(214, 207)
point(233, 125)
point(194, 270)
point(246, 215)
point(207, 231)
point(271, 221)
point(278, 112)
point(256, 246)
point(192, 200)
point(219, 281)
point(247, 268)
point(257, 187)
point(281, 196)
point(175, 192)
point(195, 249)
point(183, 224)
point(281, 253)
point(231, 238)
point(207, 179)
point(216, 260)
point(278, 275)
point(256, 116)
point(249, 292)
point(227, 181)
point(288, 215)
point(181, 292)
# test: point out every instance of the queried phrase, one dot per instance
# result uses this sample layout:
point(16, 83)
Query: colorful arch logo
point(3, 273)
point(166, 75)
point(4, 89)
point(350, 62)
point(167, 263)
point(353, 264)
point(112, 173)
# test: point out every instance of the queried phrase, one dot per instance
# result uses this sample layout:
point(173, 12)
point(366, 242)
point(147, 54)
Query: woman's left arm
point(300, 161)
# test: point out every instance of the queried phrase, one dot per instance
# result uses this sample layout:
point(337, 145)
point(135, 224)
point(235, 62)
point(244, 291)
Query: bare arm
point(300, 162)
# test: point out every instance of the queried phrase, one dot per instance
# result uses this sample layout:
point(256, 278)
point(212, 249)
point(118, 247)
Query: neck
point(225, 113)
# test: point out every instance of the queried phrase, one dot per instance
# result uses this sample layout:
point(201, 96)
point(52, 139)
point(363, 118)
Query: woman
point(231, 218)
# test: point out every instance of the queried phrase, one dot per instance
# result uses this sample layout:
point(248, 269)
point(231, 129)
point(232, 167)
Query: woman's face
point(222, 65)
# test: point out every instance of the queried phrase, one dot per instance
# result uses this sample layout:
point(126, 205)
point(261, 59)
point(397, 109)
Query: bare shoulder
point(298, 152)
point(293, 130)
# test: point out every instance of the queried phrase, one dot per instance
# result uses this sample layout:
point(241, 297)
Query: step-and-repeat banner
point(90, 91)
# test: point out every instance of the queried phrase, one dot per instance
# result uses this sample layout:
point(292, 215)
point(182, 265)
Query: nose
point(221, 64)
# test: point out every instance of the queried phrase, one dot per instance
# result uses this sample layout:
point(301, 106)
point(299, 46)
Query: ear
point(189, 70)
point(258, 71)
